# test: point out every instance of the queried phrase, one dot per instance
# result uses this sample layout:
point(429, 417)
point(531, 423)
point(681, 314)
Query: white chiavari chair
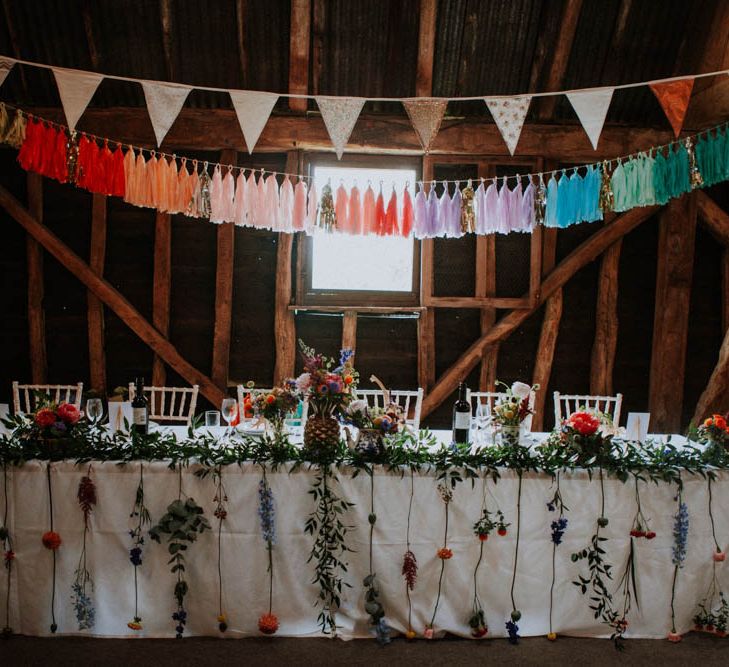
point(170, 404)
point(566, 404)
point(24, 395)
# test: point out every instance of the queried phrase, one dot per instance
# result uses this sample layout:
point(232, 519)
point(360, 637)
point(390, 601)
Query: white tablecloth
point(244, 558)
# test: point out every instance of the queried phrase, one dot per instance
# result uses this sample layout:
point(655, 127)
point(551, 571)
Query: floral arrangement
point(388, 419)
point(327, 385)
point(82, 603)
point(274, 405)
point(141, 518)
point(513, 408)
point(714, 432)
point(583, 437)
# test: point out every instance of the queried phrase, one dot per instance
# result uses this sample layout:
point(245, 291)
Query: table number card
point(637, 428)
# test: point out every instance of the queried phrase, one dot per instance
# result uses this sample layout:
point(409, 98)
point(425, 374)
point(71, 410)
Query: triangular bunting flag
point(509, 114)
point(426, 115)
point(591, 107)
point(340, 115)
point(253, 110)
point(674, 98)
point(164, 101)
point(6, 64)
point(76, 90)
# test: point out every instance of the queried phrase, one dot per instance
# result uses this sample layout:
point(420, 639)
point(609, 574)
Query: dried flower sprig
point(82, 603)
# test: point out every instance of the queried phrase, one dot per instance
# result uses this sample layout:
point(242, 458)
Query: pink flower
point(45, 418)
point(428, 634)
point(674, 637)
point(68, 413)
point(719, 556)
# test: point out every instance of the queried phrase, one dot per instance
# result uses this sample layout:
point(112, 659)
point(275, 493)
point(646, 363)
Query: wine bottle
point(140, 412)
point(461, 416)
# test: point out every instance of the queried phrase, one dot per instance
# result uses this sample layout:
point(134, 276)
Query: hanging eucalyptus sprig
point(409, 562)
point(182, 523)
point(557, 528)
point(82, 603)
point(373, 606)
point(325, 524)
point(141, 517)
point(220, 513)
point(8, 553)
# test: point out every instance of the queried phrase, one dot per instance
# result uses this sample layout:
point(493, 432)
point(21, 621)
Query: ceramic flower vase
point(370, 442)
point(510, 435)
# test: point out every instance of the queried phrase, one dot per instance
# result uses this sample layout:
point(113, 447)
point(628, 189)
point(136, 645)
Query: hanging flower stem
point(373, 606)
point(516, 549)
point(267, 623)
point(221, 497)
point(54, 625)
point(409, 562)
point(558, 527)
point(141, 514)
point(8, 553)
point(711, 515)
point(680, 541)
point(82, 603)
point(444, 553)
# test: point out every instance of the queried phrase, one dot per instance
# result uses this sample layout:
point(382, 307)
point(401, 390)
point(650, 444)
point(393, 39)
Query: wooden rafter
point(97, 354)
point(162, 283)
point(36, 313)
point(486, 287)
point(349, 330)
point(14, 43)
point(217, 129)
point(299, 53)
point(715, 219)
point(114, 300)
point(90, 37)
point(587, 252)
point(426, 48)
point(714, 397)
point(165, 17)
point(676, 236)
point(240, 19)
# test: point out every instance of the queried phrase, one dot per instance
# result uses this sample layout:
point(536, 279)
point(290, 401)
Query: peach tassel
point(355, 212)
point(272, 202)
point(380, 214)
point(341, 210)
point(369, 224)
point(299, 215)
point(228, 203)
point(216, 196)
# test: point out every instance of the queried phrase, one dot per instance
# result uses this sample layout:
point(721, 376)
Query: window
point(351, 270)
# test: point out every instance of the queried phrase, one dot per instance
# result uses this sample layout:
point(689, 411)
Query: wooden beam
point(240, 24)
point(560, 57)
point(299, 53)
point(97, 353)
point(676, 235)
point(426, 322)
point(382, 310)
point(36, 290)
point(535, 264)
point(161, 285)
point(349, 330)
point(14, 41)
point(318, 35)
point(486, 287)
point(477, 302)
point(426, 48)
point(606, 323)
point(110, 296)
point(90, 38)
point(585, 253)
point(217, 129)
point(165, 16)
point(715, 219)
point(714, 397)
point(725, 290)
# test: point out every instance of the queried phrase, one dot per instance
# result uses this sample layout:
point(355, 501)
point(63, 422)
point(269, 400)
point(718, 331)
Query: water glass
point(94, 409)
point(212, 418)
point(229, 409)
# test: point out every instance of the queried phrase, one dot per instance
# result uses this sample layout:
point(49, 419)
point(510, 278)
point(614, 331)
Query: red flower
point(483, 536)
point(9, 556)
point(45, 418)
point(270, 399)
point(445, 553)
point(268, 624)
point(51, 540)
point(719, 556)
point(650, 535)
point(501, 531)
point(68, 413)
point(584, 423)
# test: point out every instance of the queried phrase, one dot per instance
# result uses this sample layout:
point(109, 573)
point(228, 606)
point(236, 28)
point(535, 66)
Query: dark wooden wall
point(386, 345)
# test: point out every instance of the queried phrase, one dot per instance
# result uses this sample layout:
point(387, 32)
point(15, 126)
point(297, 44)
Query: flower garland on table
point(220, 513)
point(445, 491)
point(82, 602)
point(8, 554)
point(268, 622)
point(326, 526)
point(52, 541)
point(680, 544)
point(182, 523)
point(373, 606)
point(410, 562)
point(142, 518)
point(557, 528)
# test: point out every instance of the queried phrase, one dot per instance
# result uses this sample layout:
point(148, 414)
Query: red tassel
point(391, 216)
point(117, 183)
point(86, 149)
point(28, 154)
point(380, 215)
point(46, 143)
point(407, 214)
point(96, 170)
point(59, 164)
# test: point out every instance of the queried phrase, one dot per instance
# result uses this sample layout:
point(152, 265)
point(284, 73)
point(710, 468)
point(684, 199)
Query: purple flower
point(513, 630)
point(135, 556)
point(558, 528)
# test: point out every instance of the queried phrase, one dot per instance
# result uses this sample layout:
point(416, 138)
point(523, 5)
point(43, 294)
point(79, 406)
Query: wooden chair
point(296, 422)
point(410, 401)
point(566, 404)
point(59, 393)
point(172, 404)
point(476, 398)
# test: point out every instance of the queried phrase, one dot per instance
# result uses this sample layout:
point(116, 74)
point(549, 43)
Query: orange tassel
point(355, 212)
point(369, 221)
point(380, 215)
point(341, 206)
point(407, 214)
point(391, 216)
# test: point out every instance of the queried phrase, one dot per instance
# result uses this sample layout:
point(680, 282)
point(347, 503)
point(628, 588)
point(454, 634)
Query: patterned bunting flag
point(76, 90)
point(340, 115)
point(164, 101)
point(674, 98)
point(591, 107)
point(426, 115)
point(253, 110)
point(509, 114)
point(6, 64)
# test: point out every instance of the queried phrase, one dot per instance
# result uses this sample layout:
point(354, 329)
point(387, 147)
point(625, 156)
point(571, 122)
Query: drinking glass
point(229, 409)
point(94, 409)
point(483, 422)
point(212, 418)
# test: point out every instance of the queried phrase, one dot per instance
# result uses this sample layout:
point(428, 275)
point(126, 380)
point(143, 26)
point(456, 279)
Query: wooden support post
point(714, 218)
point(299, 53)
point(110, 296)
point(676, 235)
point(713, 399)
point(725, 290)
point(426, 322)
point(606, 323)
point(426, 48)
point(349, 330)
point(36, 315)
point(162, 280)
point(97, 353)
point(223, 293)
point(486, 286)
point(549, 332)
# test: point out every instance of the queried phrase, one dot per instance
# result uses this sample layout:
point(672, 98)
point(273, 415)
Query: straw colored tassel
point(468, 214)
point(327, 214)
point(4, 122)
point(16, 134)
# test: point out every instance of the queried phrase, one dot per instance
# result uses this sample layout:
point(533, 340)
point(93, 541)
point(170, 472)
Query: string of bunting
point(253, 108)
point(255, 198)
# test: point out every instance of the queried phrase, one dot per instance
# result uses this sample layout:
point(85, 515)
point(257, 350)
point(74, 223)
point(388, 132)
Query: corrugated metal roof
point(364, 47)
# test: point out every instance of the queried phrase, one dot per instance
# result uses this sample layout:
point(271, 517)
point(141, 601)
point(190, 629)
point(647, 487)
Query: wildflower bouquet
point(714, 433)
point(275, 405)
point(513, 408)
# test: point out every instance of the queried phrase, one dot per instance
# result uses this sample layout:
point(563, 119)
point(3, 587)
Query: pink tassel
point(406, 227)
point(251, 203)
point(239, 216)
point(391, 227)
point(262, 220)
point(355, 211)
point(299, 213)
point(369, 221)
point(286, 206)
point(161, 202)
point(228, 203)
point(272, 202)
point(312, 210)
point(380, 215)
point(216, 196)
point(341, 210)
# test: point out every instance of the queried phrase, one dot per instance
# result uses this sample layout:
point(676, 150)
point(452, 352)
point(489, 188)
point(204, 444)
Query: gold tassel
point(606, 201)
point(16, 134)
point(72, 156)
point(4, 121)
point(696, 179)
point(327, 215)
point(540, 202)
point(203, 204)
point(468, 215)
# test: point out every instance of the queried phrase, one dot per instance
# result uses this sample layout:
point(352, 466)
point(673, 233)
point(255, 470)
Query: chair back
point(24, 395)
point(172, 404)
point(295, 422)
point(566, 404)
point(411, 402)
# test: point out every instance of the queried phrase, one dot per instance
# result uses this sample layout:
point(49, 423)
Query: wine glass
point(229, 409)
point(483, 421)
point(94, 409)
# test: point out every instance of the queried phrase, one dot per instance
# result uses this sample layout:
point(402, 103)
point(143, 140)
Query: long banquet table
point(244, 559)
